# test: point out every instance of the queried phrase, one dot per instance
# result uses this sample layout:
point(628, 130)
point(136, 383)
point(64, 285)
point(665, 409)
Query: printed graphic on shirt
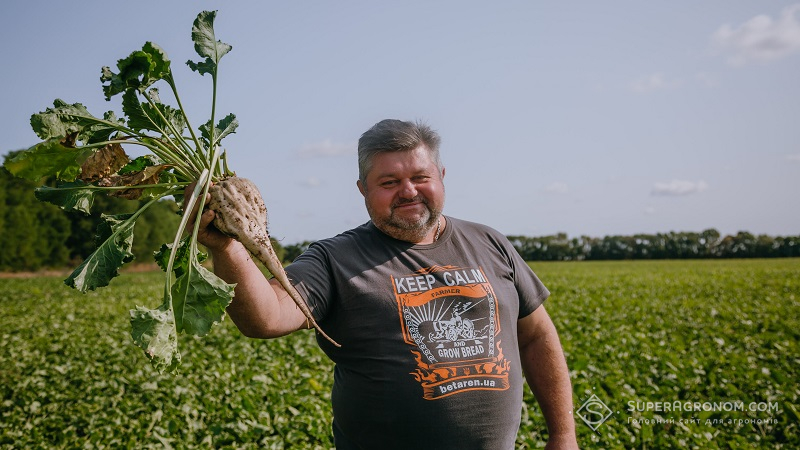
point(449, 314)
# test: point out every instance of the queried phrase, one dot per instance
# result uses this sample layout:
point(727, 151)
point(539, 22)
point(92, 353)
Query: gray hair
point(391, 135)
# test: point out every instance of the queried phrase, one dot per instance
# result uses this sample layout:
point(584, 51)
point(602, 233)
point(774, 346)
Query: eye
point(388, 183)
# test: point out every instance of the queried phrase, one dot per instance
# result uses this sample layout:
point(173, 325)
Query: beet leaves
point(85, 154)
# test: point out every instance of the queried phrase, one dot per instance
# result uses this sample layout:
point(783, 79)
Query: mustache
point(406, 201)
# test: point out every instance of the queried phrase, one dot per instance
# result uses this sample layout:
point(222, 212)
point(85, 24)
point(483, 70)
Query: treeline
point(672, 245)
point(36, 235)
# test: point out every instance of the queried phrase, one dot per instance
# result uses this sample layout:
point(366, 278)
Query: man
point(438, 318)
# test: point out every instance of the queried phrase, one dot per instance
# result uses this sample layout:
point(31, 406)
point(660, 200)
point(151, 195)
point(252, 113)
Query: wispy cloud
point(795, 157)
point(326, 149)
point(654, 82)
point(557, 188)
point(679, 187)
point(311, 182)
point(761, 38)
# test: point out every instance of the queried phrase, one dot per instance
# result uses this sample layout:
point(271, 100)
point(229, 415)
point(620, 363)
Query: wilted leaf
point(115, 240)
point(103, 163)
point(70, 140)
point(199, 299)
point(148, 175)
point(153, 330)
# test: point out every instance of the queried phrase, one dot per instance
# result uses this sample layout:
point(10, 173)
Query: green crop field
point(682, 354)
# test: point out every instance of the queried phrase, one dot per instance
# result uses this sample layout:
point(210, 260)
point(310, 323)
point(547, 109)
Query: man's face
point(404, 193)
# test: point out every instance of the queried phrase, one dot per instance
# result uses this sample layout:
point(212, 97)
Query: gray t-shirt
point(429, 355)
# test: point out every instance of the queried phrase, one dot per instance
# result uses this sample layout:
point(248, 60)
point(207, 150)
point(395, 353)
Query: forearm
point(259, 308)
point(548, 376)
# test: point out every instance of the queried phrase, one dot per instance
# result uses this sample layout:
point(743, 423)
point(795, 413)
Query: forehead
point(401, 163)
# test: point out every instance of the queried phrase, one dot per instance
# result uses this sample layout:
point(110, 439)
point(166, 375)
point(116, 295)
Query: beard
point(403, 228)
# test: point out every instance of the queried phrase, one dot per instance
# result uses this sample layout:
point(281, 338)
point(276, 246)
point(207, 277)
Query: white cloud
point(557, 188)
point(311, 182)
point(649, 210)
point(761, 38)
point(795, 157)
point(653, 82)
point(679, 187)
point(327, 148)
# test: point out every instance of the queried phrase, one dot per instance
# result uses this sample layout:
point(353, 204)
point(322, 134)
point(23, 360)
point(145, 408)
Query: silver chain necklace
point(438, 229)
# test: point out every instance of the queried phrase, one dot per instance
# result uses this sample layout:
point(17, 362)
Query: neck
point(435, 233)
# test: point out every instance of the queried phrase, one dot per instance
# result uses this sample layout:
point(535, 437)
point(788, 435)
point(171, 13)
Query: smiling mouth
point(413, 202)
point(406, 205)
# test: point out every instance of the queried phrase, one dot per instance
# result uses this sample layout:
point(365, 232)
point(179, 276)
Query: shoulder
point(347, 240)
point(475, 229)
point(479, 236)
point(328, 252)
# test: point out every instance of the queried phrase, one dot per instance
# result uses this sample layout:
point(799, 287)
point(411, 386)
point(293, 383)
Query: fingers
point(207, 234)
point(196, 205)
point(206, 218)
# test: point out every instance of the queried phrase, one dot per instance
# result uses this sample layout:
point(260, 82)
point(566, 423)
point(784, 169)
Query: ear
point(361, 188)
point(443, 169)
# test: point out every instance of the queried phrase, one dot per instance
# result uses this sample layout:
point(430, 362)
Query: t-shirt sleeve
point(311, 275)
point(532, 292)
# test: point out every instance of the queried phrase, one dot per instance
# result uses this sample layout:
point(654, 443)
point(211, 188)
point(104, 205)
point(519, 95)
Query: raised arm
point(547, 374)
point(260, 308)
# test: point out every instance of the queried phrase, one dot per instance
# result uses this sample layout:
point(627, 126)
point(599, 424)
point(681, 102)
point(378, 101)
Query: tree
point(32, 234)
point(291, 252)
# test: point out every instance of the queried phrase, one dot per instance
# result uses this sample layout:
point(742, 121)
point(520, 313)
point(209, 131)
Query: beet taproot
point(240, 213)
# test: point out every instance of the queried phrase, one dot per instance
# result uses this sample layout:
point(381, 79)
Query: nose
point(408, 189)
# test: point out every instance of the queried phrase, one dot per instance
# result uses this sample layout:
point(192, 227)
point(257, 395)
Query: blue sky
point(591, 118)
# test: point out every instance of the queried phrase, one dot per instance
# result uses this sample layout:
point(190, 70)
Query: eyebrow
point(423, 171)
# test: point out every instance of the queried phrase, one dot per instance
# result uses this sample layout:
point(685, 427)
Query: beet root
point(241, 214)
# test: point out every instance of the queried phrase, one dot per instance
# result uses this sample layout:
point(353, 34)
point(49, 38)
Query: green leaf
point(224, 127)
point(166, 179)
point(206, 44)
point(95, 131)
point(60, 120)
point(48, 158)
point(64, 119)
point(181, 257)
point(199, 299)
point(138, 71)
point(202, 67)
point(143, 116)
point(115, 240)
point(77, 196)
point(153, 330)
point(138, 164)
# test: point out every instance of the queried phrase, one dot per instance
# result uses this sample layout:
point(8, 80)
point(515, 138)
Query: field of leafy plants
point(705, 336)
